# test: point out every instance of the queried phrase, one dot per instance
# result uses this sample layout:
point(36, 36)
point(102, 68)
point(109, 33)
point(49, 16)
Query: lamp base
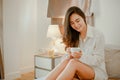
point(51, 53)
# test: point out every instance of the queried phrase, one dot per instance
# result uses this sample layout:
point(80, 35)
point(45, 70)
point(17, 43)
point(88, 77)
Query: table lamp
point(53, 33)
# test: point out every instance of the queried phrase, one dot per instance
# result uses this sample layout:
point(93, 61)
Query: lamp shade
point(53, 32)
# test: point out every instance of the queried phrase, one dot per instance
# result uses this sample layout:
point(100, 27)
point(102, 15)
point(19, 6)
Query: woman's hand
point(76, 54)
point(68, 50)
point(69, 53)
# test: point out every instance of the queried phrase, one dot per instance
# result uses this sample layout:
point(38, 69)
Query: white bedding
point(42, 78)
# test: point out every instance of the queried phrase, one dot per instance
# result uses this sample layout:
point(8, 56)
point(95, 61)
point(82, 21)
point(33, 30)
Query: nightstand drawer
point(43, 62)
point(40, 73)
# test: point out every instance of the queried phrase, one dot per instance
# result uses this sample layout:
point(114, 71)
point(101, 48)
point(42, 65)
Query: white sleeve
point(97, 56)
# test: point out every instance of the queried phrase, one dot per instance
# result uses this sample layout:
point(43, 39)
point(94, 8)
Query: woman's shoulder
point(96, 31)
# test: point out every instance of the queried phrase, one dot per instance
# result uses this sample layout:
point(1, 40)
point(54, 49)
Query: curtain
point(58, 8)
point(1, 43)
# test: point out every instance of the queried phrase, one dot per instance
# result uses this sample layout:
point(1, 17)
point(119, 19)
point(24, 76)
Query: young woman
point(87, 64)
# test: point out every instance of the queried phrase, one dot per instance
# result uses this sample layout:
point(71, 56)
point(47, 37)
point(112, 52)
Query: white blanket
point(42, 78)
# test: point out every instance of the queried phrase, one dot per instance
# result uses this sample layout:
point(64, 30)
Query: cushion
point(112, 59)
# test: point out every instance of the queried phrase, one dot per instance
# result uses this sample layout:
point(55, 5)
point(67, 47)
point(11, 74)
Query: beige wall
point(20, 37)
point(1, 23)
point(107, 20)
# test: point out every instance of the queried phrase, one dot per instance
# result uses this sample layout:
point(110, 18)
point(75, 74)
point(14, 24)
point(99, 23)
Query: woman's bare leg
point(74, 66)
point(57, 70)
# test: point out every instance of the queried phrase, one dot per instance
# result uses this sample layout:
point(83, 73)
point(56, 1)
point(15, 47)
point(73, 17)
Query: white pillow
point(112, 58)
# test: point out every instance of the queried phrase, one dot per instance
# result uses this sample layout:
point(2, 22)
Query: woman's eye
point(78, 20)
point(71, 23)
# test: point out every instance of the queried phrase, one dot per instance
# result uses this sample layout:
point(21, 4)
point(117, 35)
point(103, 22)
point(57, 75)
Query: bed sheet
point(42, 78)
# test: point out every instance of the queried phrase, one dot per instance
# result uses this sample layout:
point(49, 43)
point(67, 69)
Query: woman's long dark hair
point(71, 36)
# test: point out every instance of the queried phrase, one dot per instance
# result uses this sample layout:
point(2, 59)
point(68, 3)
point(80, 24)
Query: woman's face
point(77, 22)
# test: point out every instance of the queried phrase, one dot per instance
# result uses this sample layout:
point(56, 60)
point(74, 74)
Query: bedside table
point(43, 64)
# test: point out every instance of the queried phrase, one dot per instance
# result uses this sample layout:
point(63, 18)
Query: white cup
point(74, 49)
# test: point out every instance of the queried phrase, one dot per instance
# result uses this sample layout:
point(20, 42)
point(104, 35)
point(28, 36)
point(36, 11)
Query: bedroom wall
point(20, 37)
point(107, 20)
point(42, 22)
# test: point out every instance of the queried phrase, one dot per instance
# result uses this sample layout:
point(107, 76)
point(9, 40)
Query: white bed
point(42, 78)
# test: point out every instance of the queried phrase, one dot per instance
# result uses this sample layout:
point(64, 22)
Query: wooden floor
point(30, 76)
point(26, 76)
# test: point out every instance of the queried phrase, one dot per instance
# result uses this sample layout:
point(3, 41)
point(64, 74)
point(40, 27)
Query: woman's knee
point(72, 62)
point(65, 61)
